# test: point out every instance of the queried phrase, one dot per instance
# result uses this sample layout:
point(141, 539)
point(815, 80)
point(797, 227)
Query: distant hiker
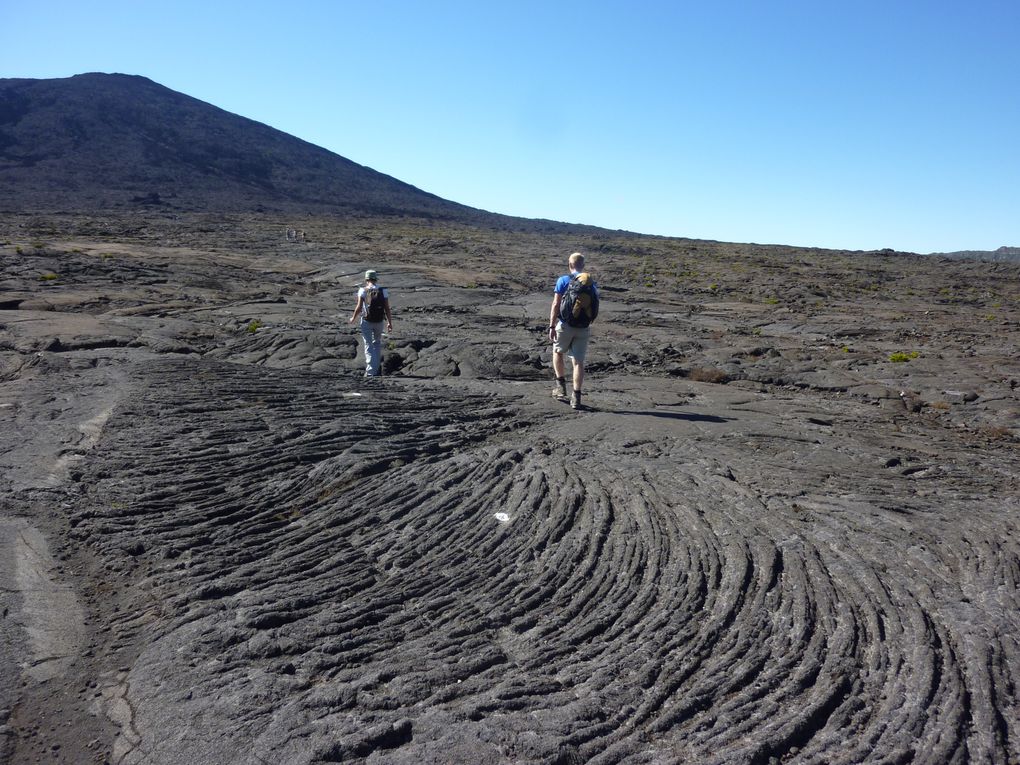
point(574, 307)
point(373, 307)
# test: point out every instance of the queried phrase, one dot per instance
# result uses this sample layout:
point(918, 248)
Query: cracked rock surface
point(764, 540)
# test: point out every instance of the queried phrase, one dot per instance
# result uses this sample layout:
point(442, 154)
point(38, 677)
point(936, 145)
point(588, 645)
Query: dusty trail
point(764, 542)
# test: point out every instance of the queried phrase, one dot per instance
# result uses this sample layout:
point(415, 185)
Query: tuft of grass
point(708, 374)
point(996, 432)
point(253, 326)
point(48, 277)
point(772, 301)
point(901, 356)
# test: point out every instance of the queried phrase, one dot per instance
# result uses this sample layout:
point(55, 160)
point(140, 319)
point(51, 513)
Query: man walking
point(575, 305)
point(373, 307)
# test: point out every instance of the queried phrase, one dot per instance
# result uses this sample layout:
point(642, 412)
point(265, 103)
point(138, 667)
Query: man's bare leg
point(559, 369)
point(578, 375)
point(575, 398)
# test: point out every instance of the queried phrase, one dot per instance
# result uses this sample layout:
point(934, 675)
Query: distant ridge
point(97, 142)
point(1003, 254)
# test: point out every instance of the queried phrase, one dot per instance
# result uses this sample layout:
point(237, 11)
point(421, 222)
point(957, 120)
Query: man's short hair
point(576, 261)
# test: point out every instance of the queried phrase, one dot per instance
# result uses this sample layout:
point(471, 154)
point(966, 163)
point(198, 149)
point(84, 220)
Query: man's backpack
point(375, 304)
point(580, 303)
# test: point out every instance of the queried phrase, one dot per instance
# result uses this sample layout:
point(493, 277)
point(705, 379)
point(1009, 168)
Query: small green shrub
point(772, 301)
point(48, 277)
point(901, 356)
point(253, 326)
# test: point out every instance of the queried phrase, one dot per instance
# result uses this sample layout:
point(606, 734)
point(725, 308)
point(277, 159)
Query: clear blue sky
point(855, 125)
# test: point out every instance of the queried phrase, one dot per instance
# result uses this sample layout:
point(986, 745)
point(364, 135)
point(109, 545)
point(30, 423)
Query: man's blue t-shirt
point(564, 281)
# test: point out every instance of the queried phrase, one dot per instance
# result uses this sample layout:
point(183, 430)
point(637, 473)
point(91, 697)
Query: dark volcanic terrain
point(785, 530)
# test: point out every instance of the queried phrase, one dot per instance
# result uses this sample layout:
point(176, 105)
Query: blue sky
point(849, 125)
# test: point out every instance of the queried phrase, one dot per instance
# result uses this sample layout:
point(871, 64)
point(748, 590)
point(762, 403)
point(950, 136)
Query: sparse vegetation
point(708, 374)
point(254, 326)
point(996, 432)
point(901, 356)
point(48, 277)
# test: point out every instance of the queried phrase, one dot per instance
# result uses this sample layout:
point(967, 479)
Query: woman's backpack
point(375, 304)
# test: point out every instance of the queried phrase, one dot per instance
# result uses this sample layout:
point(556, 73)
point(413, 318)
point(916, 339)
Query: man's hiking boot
point(575, 400)
point(560, 389)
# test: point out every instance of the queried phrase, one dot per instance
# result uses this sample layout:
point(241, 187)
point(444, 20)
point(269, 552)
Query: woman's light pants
point(371, 333)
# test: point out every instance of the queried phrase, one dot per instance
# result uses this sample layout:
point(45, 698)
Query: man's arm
point(554, 314)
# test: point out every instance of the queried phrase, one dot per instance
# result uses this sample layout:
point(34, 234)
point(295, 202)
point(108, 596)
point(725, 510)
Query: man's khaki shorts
point(572, 341)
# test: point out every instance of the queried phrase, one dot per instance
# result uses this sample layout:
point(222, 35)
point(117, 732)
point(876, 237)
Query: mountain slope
point(109, 141)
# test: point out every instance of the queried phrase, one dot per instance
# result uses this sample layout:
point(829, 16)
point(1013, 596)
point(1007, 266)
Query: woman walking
point(373, 307)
